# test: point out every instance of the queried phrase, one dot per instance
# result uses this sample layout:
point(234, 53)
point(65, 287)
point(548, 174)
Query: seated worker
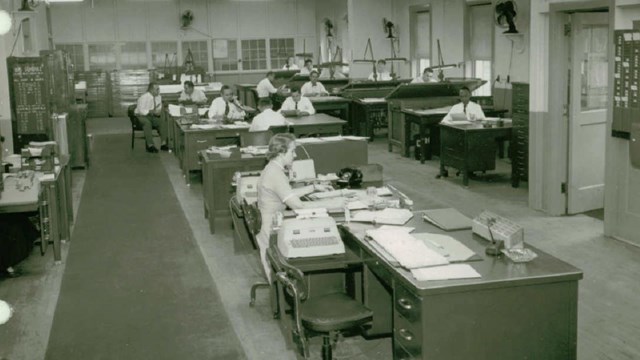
point(471, 110)
point(313, 87)
point(17, 234)
point(274, 191)
point(191, 95)
point(291, 64)
point(267, 117)
point(265, 87)
point(427, 77)
point(307, 68)
point(332, 72)
point(226, 106)
point(301, 104)
point(149, 114)
point(381, 73)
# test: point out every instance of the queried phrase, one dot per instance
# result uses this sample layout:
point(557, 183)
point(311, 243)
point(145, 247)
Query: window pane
point(225, 55)
point(164, 52)
point(76, 54)
point(423, 34)
point(102, 57)
point(480, 31)
point(482, 70)
point(254, 54)
point(280, 50)
point(133, 56)
point(594, 90)
point(198, 51)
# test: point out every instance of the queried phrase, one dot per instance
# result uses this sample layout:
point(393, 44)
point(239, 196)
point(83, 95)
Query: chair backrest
point(131, 113)
point(290, 276)
point(252, 217)
point(371, 174)
point(255, 138)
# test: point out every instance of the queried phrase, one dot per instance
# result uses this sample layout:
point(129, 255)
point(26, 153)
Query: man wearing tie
point(149, 114)
point(472, 111)
point(301, 104)
point(381, 73)
point(191, 95)
point(313, 87)
point(226, 107)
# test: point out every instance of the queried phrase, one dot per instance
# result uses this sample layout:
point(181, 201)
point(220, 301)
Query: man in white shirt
point(150, 115)
point(267, 117)
point(265, 87)
point(226, 107)
point(381, 73)
point(290, 65)
point(427, 77)
point(313, 87)
point(191, 95)
point(307, 68)
point(302, 105)
point(471, 110)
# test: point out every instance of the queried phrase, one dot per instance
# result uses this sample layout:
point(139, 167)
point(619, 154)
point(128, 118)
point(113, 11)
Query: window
point(133, 55)
point(225, 55)
point(198, 51)
point(254, 54)
point(163, 54)
point(480, 46)
point(280, 50)
point(102, 57)
point(76, 54)
point(421, 41)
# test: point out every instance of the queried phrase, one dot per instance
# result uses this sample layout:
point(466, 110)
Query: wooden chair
point(326, 315)
point(135, 123)
point(255, 138)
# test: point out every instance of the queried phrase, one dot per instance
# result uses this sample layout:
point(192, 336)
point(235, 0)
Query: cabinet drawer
point(407, 334)
point(380, 271)
point(400, 353)
point(407, 304)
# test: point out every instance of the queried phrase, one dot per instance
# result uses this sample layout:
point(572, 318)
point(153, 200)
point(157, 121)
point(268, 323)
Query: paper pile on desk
point(410, 252)
point(446, 246)
point(387, 216)
point(174, 110)
point(445, 272)
point(373, 100)
point(255, 150)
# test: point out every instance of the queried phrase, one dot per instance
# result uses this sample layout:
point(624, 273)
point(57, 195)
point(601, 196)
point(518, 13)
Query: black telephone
point(349, 177)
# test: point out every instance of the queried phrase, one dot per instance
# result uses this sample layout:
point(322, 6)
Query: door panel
point(587, 111)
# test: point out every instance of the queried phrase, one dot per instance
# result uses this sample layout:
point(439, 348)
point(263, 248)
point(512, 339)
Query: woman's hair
point(279, 144)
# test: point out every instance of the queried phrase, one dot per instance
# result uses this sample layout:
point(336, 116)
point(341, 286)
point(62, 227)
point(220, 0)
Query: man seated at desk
point(274, 191)
point(427, 77)
point(265, 87)
point(298, 103)
point(313, 87)
point(290, 65)
point(307, 68)
point(267, 117)
point(191, 95)
point(471, 110)
point(381, 73)
point(149, 114)
point(226, 107)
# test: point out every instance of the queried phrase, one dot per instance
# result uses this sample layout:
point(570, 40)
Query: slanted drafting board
point(29, 100)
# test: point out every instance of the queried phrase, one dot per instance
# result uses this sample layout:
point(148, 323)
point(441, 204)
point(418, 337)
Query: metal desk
point(470, 147)
point(316, 124)
point(331, 104)
point(368, 114)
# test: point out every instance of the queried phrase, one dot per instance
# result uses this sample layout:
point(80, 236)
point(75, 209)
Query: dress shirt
point(474, 112)
point(197, 96)
point(265, 88)
point(219, 108)
point(266, 119)
point(382, 76)
point(306, 71)
point(291, 67)
point(308, 88)
point(303, 105)
point(147, 103)
point(420, 80)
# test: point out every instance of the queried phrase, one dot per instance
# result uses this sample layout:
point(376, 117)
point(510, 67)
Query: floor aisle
point(136, 285)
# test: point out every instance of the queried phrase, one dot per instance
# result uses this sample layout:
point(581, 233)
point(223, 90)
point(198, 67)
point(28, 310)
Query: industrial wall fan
point(328, 26)
point(506, 12)
point(186, 19)
point(389, 28)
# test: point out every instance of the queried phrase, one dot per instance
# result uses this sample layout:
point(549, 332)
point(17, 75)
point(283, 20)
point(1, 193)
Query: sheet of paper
point(453, 249)
point(373, 100)
point(445, 272)
point(410, 252)
point(202, 111)
point(354, 138)
point(383, 191)
point(407, 229)
point(174, 110)
point(332, 138)
point(308, 140)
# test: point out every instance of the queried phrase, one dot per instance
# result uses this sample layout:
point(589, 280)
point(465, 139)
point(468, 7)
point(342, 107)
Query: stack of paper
point(373, 100)
point(410, 252)
point(447, 219)
point(446, 272)
point(352, 137)
point(174, 110)
point(387, 216)
point(447, 246)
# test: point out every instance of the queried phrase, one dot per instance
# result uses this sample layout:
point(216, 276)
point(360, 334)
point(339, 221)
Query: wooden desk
point(427, 122)
point(332, 104)
point(514, 311)
point(217, 172)
point(316, 124)
point(52, 198)
point(366, 115)
point(470, 147)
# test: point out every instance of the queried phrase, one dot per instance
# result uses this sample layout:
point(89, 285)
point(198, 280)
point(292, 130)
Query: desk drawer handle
point(201, 141)
point(406, 334)
point(406, 304)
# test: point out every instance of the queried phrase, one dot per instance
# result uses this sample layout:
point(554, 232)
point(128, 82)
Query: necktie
point(465, 108)
point(154, 103)
point(226, 108)
point(296, 105)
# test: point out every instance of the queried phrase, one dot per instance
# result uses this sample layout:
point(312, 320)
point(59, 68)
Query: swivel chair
point(253, 219)
point(326, 315)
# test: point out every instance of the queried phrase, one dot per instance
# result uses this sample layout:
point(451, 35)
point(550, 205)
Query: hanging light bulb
point(5, 22)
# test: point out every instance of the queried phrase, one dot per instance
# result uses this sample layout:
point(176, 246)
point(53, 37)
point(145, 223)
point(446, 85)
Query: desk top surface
point(478, 126)
point(497, 272)
point(328, 99)
point(315, 119)
point(12, 197)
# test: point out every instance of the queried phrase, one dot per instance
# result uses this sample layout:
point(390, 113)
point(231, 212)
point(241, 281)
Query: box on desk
point(39, 156)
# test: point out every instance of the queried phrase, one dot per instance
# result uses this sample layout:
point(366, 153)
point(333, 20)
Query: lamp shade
point(5, 22)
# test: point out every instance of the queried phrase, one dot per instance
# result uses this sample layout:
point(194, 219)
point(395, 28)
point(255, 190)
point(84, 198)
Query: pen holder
point(494, 248)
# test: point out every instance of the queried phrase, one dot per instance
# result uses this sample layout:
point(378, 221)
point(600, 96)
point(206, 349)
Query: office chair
point(326, 315)
point(135, 123)
point(253, 219)
point(255, 138)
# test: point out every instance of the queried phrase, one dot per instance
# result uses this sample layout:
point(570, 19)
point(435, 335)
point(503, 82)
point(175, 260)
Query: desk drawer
point(407, 304)
point(407, 334)
point(380, 271)
point(400, 353)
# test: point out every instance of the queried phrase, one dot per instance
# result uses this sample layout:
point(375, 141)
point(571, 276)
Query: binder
point(447, 219)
